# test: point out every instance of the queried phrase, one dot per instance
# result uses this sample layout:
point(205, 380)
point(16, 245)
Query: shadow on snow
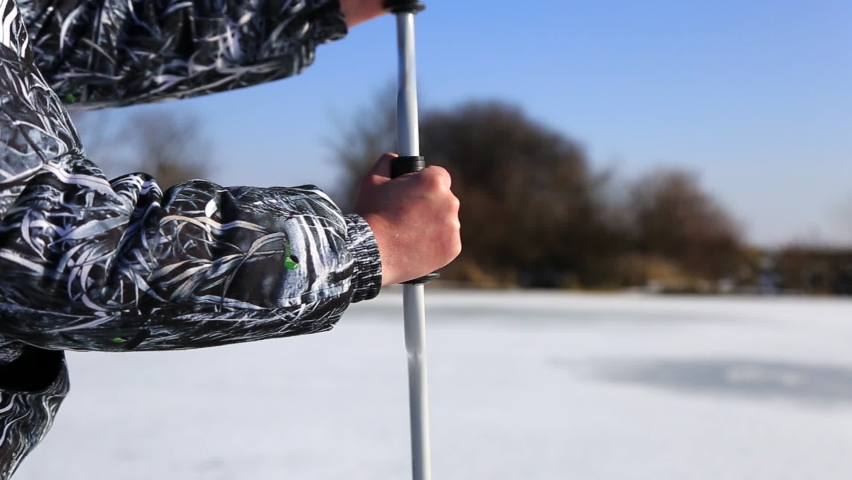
point(809, 384)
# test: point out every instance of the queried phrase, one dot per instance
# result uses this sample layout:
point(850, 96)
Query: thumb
point(381, 171)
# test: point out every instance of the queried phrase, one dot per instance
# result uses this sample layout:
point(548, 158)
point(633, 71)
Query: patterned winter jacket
point(92, 264)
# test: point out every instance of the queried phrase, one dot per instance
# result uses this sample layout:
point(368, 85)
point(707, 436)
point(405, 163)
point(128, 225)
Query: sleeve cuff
point(367, 274)
point(327, 20)
point(33, 370)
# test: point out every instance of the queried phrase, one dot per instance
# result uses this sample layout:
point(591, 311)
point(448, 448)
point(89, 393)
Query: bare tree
point(101, 136)
point(171, 148)
point(673, 217)
point(361, 139)
point(535, 211)
point(529, 198)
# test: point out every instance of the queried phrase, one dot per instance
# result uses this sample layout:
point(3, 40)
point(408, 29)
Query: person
point(91, 264)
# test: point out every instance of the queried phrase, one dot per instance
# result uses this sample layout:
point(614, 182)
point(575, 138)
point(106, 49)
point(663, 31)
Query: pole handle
point(410, 164)
point(400, 166)
point(404, 6)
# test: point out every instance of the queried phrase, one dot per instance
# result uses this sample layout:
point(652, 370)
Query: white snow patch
point(523, 386)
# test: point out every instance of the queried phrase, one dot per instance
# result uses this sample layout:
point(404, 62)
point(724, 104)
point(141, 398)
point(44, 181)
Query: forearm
point(90, 264)
point(97, 53)
point(125, 268)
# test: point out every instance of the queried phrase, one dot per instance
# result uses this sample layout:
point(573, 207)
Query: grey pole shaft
point(418, 389)
point(413, 295)
point(408, 124)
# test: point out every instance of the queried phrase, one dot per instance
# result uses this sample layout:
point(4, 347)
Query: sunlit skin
point(415, 219)
point(359, 11)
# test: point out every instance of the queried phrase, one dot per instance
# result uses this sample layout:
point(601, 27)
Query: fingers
point(455, 204)
point(382, 168)
point(380, 173)
point(359, 11)
point(432, 180)
point(415, 219)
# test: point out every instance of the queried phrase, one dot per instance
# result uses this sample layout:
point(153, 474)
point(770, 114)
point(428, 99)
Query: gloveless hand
point(359, 11)
point(415, 219)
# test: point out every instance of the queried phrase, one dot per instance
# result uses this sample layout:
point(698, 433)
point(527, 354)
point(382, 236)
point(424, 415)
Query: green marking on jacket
point(290, 263)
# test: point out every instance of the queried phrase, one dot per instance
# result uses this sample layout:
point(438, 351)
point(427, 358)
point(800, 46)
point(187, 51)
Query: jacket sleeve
point(92, 264)
point(98, 53)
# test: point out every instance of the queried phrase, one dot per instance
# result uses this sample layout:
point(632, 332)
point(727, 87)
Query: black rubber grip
point(423, 279)
point(403, 165)
point(404, 6)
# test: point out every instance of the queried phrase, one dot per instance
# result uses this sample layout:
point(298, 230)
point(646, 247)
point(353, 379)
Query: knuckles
point(452, 246)
point(457, 249)
point(437, 178)
point(421, 202)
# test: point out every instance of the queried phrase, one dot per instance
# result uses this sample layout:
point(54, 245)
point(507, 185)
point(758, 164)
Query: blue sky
point(756, 96)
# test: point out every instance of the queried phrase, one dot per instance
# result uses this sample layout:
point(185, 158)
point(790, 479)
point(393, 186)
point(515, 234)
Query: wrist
point(385, 236)
point(377, 226)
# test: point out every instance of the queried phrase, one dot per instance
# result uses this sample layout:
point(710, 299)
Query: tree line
point(535, 211)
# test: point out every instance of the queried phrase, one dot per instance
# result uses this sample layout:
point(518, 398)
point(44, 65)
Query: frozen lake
point(523, 386)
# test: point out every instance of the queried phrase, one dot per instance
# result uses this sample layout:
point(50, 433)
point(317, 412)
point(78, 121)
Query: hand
point(415, 219)
point(359, 11)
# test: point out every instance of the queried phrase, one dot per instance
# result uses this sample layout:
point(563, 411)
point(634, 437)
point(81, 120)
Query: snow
point(523, 386)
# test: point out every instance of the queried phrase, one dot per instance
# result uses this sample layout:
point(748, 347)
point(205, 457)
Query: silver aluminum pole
point(413, 292)
point(408, 123)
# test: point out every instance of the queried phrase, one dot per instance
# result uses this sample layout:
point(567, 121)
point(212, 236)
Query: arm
point(95, 265)
point(359, 11)
point(92, 264)
point(98, 53)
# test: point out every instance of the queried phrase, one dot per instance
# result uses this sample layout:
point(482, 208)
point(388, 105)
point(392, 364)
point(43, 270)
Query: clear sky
point(754, 95)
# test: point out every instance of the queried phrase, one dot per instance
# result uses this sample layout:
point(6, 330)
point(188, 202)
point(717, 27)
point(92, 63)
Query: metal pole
point(413, 292)
point(418, 389)
point(408, 124)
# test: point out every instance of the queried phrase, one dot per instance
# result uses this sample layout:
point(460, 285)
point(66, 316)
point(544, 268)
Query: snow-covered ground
point(523, 386)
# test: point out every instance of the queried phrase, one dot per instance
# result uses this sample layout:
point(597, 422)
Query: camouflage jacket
point(92, 264)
